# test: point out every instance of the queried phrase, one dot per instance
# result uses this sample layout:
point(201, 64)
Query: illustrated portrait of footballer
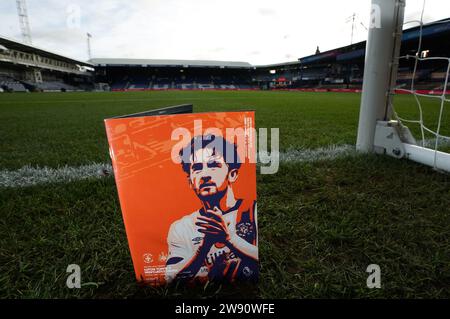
point(218, 241)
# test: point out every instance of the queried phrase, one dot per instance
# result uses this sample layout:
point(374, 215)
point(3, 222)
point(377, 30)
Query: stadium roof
point(27, 48)
point(358, 49)
point(169, 63)
point(277, 64)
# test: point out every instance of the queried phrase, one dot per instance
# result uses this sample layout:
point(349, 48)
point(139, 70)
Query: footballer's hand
point(214, 226)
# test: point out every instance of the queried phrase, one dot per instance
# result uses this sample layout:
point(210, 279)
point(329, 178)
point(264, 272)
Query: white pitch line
point(328, 153)
point(30, 176)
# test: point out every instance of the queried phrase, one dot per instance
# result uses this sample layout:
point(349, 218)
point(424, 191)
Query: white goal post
point(377, 131)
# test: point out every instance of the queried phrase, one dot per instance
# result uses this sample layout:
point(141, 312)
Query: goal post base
point(390, 137)
point(396, 140)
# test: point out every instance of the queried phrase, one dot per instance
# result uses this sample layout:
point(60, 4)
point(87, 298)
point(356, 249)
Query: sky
point(254, 31)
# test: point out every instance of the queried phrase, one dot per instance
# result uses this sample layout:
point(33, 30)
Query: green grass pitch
point(321, 223)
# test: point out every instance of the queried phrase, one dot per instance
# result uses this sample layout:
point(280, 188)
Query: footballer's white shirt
point(184, 240)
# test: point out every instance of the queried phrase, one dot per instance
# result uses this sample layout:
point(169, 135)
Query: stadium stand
point(27, 68)
point(343, 68)
point(8, 84)
point(335, 70)
point(147, 74)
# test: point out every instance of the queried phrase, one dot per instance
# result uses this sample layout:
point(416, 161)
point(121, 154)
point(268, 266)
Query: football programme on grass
point(327, 214)
point(357, 205)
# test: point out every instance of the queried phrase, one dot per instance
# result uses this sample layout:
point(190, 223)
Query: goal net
point(405, 102)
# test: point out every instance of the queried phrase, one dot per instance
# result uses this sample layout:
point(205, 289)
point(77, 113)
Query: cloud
point(256, 31)
point(267, 11)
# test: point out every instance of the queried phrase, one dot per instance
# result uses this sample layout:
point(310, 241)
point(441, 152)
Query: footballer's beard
point(212, 200)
